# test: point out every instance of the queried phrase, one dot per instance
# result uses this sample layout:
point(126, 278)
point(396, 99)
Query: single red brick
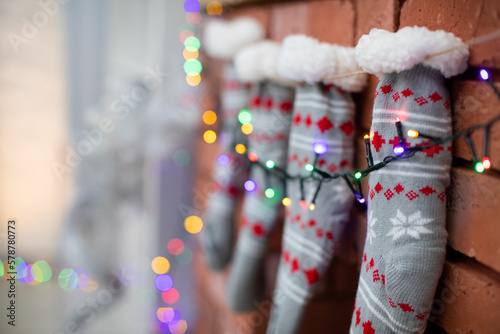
point(379, 14)
point(465, 19)
point(473, 215)
point(466, 300)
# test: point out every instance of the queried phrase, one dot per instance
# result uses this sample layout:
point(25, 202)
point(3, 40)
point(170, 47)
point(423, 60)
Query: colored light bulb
point(240, 148)
point(399, 150)
point(484, 74)
point(270, 164)
point(303, 204)
point(320, 148)
point(486, 163)
point(312, 206)
point(358, 175)
point(252, 156)
point(245, 116)
point(250, 185)
point(286, 201)
point(412, 133)
point(269, 192)
point(309, 167)
point(479, 167)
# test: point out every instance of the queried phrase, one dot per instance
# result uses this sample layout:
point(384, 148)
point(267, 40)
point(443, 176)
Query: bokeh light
point(163, 282)
point(42, 271)
point(192, 66)
point(286, 201)
point(193, 224)
point(191, 6)
point(193, 79)
point(179, 327)
point(160, 265)
point(250, 185)
point(91, 286)
point(240, 148)
point(193, 18)
point(223, 160)
point(184, 35)
point(269, 193)
point(83, 277)
point(182, 158)
point(184, 258)
point(175, 246)
point(24, 273)
point(165, 314)
point(171, 296)
point(192, 43)
point(68, 279)
point(252, 156)
point(190, 54)
point(247, 128)
point(209, 117)
point(210, 136)
point(214, 8)
point(244, 116)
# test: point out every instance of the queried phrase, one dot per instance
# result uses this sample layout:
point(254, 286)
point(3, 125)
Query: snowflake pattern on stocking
point(412, 225)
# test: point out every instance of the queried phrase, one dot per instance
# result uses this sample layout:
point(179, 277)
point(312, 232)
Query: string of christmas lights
point(353, 180)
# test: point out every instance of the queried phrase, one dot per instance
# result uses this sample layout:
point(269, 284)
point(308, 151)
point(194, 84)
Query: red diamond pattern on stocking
point(435, 149)
point(396, 96)
point(435, 97)
point(367, 328)
point(321, 162)
point(267, 103)
point(332, 168)
point(308, 121)
point(312, 222)
point(376, 94)
point(311, 275)
point(297, 119)
point(407, 92)
point(421, 100)
point(358, 317)
point(286, 256)
point(370, 265)
point(324, 124)
point(411, 195)
point(372, 193)
point(329, 235)
point(399, 188)
point(376, 276)
point(388, 194)
point(377, 141)
point(395, 142)
point(258, 230)
point(392, 303)
point(422, 316)
point(447, 105)
point(442, 196)
point(378, 187)
point(406, 307)
point(347, 127)
point(285, 107)
point(427, 190)
point(319, 232)
point(386, 89)
point(294, 266)
point(255, 101)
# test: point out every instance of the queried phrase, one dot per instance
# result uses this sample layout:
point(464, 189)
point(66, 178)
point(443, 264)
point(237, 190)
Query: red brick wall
point(468, 296)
